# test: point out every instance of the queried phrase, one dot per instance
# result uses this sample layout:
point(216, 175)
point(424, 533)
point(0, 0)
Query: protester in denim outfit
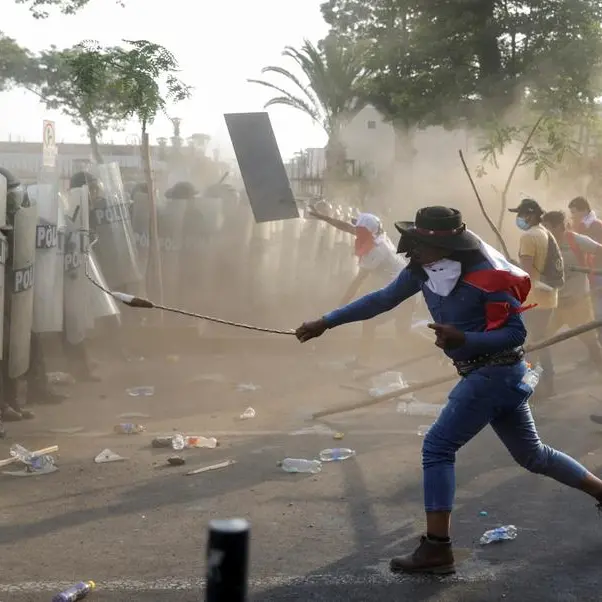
point(475, 297)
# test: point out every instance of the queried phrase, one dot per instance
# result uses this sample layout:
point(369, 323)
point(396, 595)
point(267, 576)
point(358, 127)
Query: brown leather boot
point(432, 557)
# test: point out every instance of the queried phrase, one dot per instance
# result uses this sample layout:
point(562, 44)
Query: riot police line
point(214, 258)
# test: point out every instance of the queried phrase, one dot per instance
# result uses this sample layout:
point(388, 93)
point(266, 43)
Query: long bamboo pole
point(558, 338)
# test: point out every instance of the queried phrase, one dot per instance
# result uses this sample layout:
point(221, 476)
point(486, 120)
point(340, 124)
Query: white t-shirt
point(383, 263)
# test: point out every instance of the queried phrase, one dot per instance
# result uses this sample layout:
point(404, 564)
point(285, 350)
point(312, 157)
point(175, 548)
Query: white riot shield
point(141, 225)
point(79, 318)
point(22, 263)
point(101, 304)
point(48, 290)
point(3, 258)
point(110, 220)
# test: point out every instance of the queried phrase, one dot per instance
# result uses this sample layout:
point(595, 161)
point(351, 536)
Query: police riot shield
point(110, 220)
point(141, 225)
point(101, 304)
point(170, 225)
point(79, 318)
point(3, 257)
point(48, 290)
point(22, 261)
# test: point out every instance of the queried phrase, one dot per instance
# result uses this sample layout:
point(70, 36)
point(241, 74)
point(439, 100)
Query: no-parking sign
point(49, 148)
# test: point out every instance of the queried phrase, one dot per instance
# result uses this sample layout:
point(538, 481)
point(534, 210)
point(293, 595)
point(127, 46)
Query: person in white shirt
point(379, 264)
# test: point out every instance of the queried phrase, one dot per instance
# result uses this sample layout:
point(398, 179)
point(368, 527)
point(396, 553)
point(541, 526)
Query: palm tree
point(330, 91)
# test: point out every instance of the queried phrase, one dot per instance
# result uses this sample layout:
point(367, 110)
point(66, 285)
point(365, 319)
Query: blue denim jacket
point(463, 308)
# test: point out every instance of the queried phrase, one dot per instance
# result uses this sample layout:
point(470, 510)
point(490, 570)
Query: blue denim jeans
point(492, 395)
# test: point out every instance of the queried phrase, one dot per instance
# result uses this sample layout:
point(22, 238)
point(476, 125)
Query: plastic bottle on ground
point(76, 592)
point(507, 532)
point(337, 454)
point(141, 391)
point(129, 428)
point(301, 465)
point(19, 452)
point(248, 413)
point(180, 442)
point(533, 375)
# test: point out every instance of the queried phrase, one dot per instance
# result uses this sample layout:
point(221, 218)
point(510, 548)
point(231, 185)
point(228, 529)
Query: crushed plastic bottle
point(128, 428)
point(507, 532)
point(532, 376)
point(418, 408)
point(141, 391)
point(301, 465)
point(44, 463)
point(76, 592)
point(336, 455)
point(248, 413)
point(180, 442)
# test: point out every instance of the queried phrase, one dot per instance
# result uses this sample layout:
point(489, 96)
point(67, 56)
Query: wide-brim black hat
point(440, 227)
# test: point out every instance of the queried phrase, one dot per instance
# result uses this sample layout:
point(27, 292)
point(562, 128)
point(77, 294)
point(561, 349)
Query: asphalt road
point(138, 528)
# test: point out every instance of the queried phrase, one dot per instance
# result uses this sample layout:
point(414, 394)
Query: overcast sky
point(218, 43)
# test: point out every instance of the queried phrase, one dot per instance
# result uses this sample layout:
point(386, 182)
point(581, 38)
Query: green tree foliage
point(39, 8)
point(51, 75)
point(327, 84)
point(454, 59)
point(14, 61)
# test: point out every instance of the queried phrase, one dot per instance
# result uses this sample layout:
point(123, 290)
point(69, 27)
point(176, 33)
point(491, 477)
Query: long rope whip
point(133, 301)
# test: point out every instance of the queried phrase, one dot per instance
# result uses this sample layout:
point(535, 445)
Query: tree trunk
point(95, 147)
point(154, 275)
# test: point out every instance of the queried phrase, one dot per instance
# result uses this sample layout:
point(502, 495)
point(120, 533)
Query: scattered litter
point(133, 415)
point(60, 378)
point(300, 465)
point(389, 382)
point(173, 358)
point(507, 532)
point(338, 436)
point(106, 455)
point(179, 442)
point(141, 391)
point(423, 429)
point(159, 442)
point(176, 461)
point(128, 428)
point(68, 431)
point(482, 513)
point(36, 463)
point(338, 454)
point(211, 467)
point(418, 408)
point(76, 592)
point(248, 413)
point(316, 429)
point(20, 454)
point(247, 387)
point(213, 378)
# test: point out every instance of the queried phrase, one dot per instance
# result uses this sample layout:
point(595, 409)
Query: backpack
point(553, 269)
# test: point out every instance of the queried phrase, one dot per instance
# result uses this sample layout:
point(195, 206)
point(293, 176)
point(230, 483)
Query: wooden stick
point(396, 366)
point(40, 452)
point(558, 338)
point(497, 233)
point(582, 270)
point(212, 467)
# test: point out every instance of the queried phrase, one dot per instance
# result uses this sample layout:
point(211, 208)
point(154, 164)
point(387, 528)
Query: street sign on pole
point(49, 148)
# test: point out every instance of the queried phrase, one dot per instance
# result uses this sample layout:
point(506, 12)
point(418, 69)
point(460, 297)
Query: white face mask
point(443, 275)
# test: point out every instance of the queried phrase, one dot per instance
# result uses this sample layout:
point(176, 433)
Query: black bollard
point(227, 560)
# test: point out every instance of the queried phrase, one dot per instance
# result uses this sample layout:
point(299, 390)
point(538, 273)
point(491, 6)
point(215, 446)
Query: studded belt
point(503, 358)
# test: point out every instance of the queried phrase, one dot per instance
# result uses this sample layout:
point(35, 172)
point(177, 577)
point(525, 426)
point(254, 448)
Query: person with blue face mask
point(533, 253)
